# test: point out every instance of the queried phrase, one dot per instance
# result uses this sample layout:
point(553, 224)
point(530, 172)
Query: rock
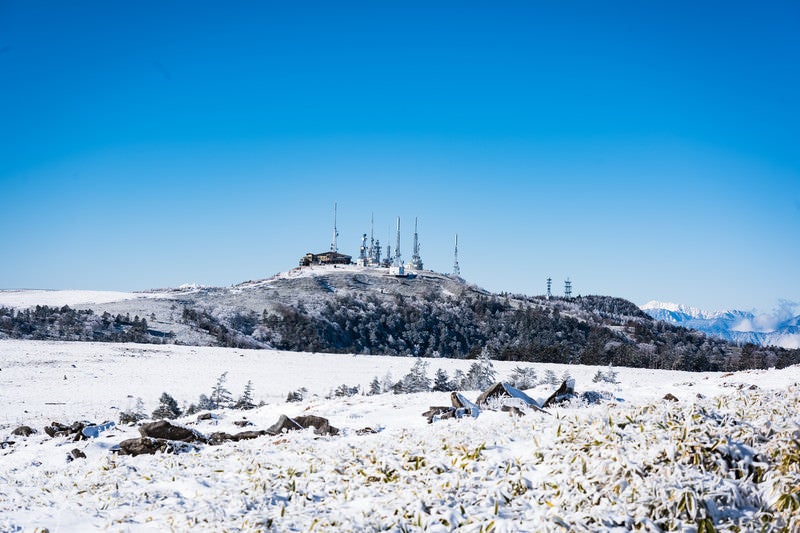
point(140, 446)
point(56, 429)
point(321, 425)
point(366, 431)
point(512, 410)
point(284, 423)
point(247, 435)
point(205, 416)
point(564, 393)
point(77, 454)
point(218, 437)
point(242, 423)
point(23, 431)
point(496, 390)
point(168, 431)
point(439, 412)
point(669, 396)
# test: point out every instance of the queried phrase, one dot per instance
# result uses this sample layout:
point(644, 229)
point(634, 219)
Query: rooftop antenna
point(416, 261)
point(397, 245)
point(568, 289)
point(456, 269)
point(549, 286)
point(334, 247)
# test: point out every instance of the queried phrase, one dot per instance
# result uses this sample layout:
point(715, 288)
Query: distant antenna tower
point(416, 261)
point(456, 269)
point(371, 251)
point(549, 286)
point(568, 289)
point(362, 255)
point(397, 261)
point(334, 247)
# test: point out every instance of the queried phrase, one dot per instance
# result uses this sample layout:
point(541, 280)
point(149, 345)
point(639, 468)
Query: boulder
point(246, 435)
point(284, 423)
point(512, 410)
point(565, 392)
point(242, 423)
point(496, 390)
point(321, 425)
point(669, 396)
point(165, 430)
point(77, 454)
point(503, 391)
point(205, 416)
point(438, 412)
point(140, 446)
point(23, 431)
point(218, 437)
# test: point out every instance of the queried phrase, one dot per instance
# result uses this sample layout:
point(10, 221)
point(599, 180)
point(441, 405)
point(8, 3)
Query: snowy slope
point(74, 298)
point(634, 462)
point(779, 328)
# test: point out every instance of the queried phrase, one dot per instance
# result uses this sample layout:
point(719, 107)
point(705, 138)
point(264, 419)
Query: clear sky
point(648, 150)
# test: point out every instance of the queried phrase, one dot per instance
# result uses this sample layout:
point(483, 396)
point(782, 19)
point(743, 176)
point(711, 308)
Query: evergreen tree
point(442, 383)
point(245, 401)
point(375, 386)
point(167, 408)
point(417, 379)
point(481, 374)
point(220, 396)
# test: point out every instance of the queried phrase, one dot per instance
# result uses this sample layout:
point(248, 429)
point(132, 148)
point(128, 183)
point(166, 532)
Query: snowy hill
point(721, 456)
point(350, 309)
point(778, 329)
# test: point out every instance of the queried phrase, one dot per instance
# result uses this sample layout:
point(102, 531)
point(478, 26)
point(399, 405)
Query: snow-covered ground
point(74, 298)
point(728, 450)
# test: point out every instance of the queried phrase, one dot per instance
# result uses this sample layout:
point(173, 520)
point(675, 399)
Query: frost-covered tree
point(417, 379)
point(167, 408)
point(245, 401)
point(442, 383)
point(550, 378)
point(220, 396)
point(134, 414)
point(523, 377)
point(375, 387)
point(481, 373)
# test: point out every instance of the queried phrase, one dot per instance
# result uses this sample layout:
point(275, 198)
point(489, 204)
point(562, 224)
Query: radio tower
point(371, 251)
point(549, 286)
point(416, 262)
point(334, 247)
point(456, 269)
point(397, 261)
point(568, 289)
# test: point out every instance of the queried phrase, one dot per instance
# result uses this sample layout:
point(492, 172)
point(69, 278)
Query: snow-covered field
point(73, 298)
point(727, 453)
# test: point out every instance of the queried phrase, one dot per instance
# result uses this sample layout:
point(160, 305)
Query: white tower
point(397, 260)
point(568, 289)
point(334, 247)
point(456, 269)
point(416, 261)
point(371, 251)
point(362, 255)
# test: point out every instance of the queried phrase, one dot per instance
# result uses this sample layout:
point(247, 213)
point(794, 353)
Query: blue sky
point(645, 150)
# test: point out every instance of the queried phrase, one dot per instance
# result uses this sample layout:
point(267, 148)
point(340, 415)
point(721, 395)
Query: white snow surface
point(22, 299)
point(631, 462)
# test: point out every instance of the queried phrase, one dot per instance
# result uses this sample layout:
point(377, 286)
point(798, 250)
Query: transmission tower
point(334, 247)
point(416, 261)
point(397, 260)
point(549, 286)
point(371, 250)
point(568, 289)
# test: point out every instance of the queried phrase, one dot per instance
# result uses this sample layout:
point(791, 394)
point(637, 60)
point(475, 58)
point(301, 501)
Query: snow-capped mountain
point(780, 328)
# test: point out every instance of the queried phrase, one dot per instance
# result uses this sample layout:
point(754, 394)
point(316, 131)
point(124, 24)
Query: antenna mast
point(334, 247)
point(416, 261)
point(549, 286)
point(456, 269)
point(568, 289)
point(371, 251)
point(397, 246)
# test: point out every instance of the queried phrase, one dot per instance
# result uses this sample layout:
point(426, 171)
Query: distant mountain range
point(780, 329)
